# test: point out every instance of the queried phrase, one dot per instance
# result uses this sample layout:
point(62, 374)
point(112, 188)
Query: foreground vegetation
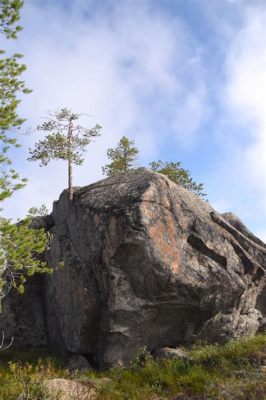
point(235, 371)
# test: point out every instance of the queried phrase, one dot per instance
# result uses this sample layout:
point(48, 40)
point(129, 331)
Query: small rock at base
point(66, 389)
point(78, 362)
point(170, 353)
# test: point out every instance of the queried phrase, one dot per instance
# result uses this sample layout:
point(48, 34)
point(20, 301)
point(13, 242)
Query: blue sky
point(184, 78)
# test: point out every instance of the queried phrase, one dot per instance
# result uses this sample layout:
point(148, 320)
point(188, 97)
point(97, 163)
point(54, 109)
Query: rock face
point(23, 316)
point(147, 263)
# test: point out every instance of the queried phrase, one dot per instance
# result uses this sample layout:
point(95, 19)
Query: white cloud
point(192, 111)
point(143, 74)
point(123, 68)
point(245, 92)
point(242, 172)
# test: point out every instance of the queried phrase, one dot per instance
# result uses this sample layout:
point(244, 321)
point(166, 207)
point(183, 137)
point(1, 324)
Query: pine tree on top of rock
point(122, 157)
point(179, 175)
point(66, 140)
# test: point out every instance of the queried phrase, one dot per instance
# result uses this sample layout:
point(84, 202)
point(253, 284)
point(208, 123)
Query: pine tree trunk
point(70, 186)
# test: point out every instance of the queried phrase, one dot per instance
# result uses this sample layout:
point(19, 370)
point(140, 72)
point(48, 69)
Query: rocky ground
point(234, 371)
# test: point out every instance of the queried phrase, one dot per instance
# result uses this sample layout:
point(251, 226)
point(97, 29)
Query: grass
point(229, 372)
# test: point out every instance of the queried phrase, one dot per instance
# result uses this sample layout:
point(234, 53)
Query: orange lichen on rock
point(161, 228)
point(162, 234)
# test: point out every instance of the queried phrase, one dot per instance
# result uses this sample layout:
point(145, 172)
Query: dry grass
point(230, 372)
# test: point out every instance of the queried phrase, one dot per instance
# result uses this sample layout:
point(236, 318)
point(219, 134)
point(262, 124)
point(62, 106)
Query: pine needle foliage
point(21, 253)
point(20, 247)
point(10, 87)
point(122, 157)
point(9, 16)
point(38, 211)
point(66, 140)
point(10, 180)
point(179, 175)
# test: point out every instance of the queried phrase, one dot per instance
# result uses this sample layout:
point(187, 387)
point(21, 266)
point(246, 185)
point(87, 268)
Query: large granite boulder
point(146, 262)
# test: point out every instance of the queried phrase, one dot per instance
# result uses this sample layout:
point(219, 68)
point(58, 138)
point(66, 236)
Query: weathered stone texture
point(69, 389)
point(23, 316)
point(147, 263)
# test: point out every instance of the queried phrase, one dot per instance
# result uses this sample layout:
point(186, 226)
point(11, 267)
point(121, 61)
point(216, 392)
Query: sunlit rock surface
point(146, 262)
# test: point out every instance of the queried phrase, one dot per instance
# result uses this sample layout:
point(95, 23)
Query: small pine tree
point(122, 157)
point(20, 246)
point(177, 174)
point(21, 250)
point(66, 140)
point(11, 87)
point(9, 16)
point(38, 211)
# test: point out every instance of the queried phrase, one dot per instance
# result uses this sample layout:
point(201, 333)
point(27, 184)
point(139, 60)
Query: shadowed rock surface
point(23, 316)
point(147, 263)
point(78, 363)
